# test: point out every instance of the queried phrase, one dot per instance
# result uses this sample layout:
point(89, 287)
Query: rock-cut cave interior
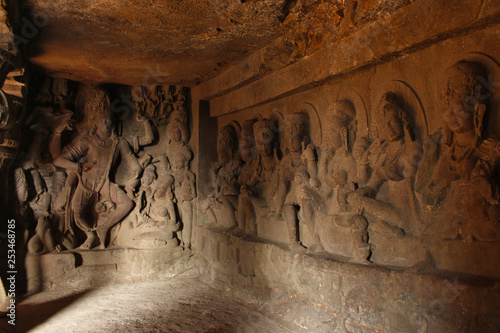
point(250, 166)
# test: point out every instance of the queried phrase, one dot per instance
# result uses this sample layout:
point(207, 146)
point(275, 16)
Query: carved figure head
point(342, 124)
point(296, 130)
point(177, 132)
point(464, 97)
point(181, 158)
point(164, 186)
point(392, 121)
point(264, 137)
point(98, 110)
point(148, 176)
point(247, 142)
point(227, 144)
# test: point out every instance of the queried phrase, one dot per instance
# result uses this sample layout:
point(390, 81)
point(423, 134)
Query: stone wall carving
point(387, 194)
point(94, 186)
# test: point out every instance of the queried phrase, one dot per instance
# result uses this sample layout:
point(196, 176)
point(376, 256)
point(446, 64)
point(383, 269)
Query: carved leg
point(251, 228)
point(81, 204)
point(308, 215)
point(124, 205)
point(381, 211)
point(242, 215)
point(229, 212)
point(281, 193)
point(48, 240)
point(187, 220)
point(290, 215)
point(35, 245)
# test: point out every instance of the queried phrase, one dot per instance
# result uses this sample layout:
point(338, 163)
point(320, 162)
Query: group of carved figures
point(392, 182)
point(153, 208)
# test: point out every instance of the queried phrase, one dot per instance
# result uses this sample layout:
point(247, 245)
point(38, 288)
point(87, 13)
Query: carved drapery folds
point(396, 189)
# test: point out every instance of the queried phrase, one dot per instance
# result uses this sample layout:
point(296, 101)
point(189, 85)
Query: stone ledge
point(427, 22)
point(327, 296)
point(73, 269)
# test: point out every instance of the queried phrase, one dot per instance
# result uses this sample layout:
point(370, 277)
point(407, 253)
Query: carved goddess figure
point(466, 175)
point(98, 203)
point(247, 180)
point(225, 173)
point(299, 156)
point(393, 158)
point(185, 192)
point(337, 165)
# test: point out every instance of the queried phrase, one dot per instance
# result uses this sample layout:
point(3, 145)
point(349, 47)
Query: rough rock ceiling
point(149, 41)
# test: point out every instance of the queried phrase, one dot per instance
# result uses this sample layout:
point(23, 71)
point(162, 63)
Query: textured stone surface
point(96, 268)
point(326, 296)
point(186, 42)
point(157, 42)
point(175, 305)
point(406, 30)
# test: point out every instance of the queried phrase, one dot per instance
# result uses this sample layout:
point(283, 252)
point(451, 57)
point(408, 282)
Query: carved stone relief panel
point(368, 181)
point(105, 188)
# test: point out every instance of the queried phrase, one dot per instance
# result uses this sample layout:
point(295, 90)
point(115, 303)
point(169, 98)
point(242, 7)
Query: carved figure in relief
point(247, 180)
point(465, 178)
point(52, 119)
point(40, 208)
point(98, 203)
point(156, 219)
point(152, 101)
point(185, 192)
point(266, 160)
point(10, 138)
point(177, 137)
point(299, 156)
point(393, 159)
point(337, 165)
point(147, 138)
point(225, 172)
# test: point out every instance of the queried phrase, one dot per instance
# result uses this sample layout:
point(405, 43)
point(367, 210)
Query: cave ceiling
point(147, 41)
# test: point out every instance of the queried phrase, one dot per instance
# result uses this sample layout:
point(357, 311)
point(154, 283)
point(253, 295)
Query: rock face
point(345, 176)
point(163, 41)
point(179, 42)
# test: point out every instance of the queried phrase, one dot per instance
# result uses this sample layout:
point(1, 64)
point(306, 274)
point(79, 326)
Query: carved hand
point(63, 122)
point(309, 153)
point(87, 166)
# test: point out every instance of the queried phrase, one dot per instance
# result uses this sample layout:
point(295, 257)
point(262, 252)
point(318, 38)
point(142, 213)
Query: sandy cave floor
point(176, 305)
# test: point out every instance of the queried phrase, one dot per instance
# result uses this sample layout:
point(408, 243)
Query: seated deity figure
point(156, 219)
point(299, 156)
point(98, 203)
point(465, 178)
point(225, 172)
point(393, 158)
point(185, 192)
point(337, 165)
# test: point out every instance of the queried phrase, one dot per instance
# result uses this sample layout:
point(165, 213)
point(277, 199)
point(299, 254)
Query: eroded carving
point(464, 177)
point(220, 206)
point(393, 159)
point(98, 203)
point(296, 177)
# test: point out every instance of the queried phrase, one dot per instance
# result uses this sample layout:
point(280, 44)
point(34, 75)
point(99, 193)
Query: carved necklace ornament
point(104, 143)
